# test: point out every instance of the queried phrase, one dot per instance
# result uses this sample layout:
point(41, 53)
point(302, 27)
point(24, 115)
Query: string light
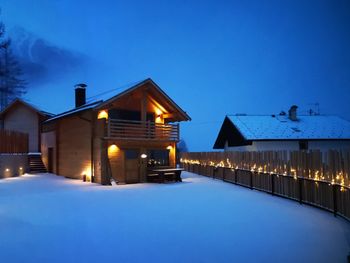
point(278, 170)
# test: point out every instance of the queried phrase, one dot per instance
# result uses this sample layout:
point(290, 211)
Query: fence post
point(224, 173)
point(214, 171)
point(235, 173)
point(272, 184)
point(251, 180)
point(335, 201)
point(300, 180)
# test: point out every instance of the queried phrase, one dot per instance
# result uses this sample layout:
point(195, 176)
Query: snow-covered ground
point(46, 218)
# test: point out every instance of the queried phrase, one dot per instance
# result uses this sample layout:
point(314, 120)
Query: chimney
point(80, 94)
point(293, 113)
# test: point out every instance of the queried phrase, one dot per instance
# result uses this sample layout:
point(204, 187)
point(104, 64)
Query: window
point(131, 154)
point(158, 158)
point(303, 145)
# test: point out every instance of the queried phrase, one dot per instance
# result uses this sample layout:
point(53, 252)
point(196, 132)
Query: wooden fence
point(13, 142)
point(314, 178)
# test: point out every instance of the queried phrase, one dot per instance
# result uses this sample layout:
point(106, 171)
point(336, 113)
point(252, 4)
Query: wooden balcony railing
point(138, 130)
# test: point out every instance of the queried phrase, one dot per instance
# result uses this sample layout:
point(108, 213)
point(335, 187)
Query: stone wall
point(12, 165)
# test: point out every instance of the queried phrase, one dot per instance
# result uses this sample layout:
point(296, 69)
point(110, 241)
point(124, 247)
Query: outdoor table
point(162, 172)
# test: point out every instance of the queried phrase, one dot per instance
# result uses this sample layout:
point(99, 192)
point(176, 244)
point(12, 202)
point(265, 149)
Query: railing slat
point(136, 130)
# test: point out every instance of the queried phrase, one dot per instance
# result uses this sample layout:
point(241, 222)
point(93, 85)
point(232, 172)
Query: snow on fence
point(315, 178)
point(13, 142)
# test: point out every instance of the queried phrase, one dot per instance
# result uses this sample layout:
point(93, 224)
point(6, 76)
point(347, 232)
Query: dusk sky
point(212, 57)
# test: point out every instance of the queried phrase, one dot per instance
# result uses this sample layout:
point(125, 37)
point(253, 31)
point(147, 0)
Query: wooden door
point(50, 160)
point(132, 166)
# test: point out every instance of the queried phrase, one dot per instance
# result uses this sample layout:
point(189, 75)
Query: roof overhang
point(154, 92)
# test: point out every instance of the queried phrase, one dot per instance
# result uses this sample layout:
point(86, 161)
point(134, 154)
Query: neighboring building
point(283, 132)
point(116, 138)
point(23, 117)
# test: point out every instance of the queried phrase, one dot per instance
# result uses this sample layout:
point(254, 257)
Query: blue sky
point(213, 57)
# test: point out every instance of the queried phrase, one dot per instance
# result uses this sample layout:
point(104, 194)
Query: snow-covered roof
point(105, 97)
point(75, 110)
point(28, 104)
point(280, 127)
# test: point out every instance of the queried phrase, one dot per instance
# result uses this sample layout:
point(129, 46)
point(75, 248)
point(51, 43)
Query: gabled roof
point(75, 111)
point(28, 105)
point(139, 84)
point(100, 104)
point(280, 127)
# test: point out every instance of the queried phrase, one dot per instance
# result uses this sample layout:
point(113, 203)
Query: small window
point(131, 154)
point(303, 145)
point(158, 158)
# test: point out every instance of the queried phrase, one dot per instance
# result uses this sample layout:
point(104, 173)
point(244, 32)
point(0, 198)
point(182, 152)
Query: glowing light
point(7, 170)
point(102, 115)
point(112, 149)
point(158, 112)
point(169, 147)
point(87, 174)
point(20, 168)
point(143, 156)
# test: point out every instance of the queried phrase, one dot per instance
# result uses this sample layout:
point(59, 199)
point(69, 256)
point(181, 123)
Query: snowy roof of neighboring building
point(280, 127)
point(75, 110)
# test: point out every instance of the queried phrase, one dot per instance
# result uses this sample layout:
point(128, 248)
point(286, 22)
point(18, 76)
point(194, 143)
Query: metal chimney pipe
point(80, 94)
point(293, 113)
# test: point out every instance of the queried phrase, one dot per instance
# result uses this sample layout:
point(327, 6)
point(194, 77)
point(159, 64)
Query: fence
point(315, 178)
point(13, 142)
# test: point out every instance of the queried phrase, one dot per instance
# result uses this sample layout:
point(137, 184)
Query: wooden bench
point(162, 174)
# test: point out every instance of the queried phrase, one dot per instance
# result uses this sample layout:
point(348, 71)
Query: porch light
point(143, 156)
point(7, 170)
point(112, 149)
point(102, 115)
point(158, 112)
point(169, 147)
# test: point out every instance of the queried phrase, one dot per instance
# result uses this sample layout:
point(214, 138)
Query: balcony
point(139, 130)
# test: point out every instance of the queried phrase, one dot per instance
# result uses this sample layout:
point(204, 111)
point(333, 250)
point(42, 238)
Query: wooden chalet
point(118, 138)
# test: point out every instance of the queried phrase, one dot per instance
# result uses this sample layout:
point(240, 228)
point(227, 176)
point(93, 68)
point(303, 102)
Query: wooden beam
point(144, 103)
point(169, 115)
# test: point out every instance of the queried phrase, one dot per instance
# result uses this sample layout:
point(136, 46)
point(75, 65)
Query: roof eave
point(185, 116)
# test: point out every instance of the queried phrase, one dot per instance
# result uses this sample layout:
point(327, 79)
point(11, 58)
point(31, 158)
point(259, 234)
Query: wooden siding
point(74, 146)
point(116, 163)
point(117, 159)
point(23, 119)
point(13, 142)
point(100, 171)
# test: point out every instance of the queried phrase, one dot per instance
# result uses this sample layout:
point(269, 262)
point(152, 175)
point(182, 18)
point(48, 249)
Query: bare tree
point(11, 84)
